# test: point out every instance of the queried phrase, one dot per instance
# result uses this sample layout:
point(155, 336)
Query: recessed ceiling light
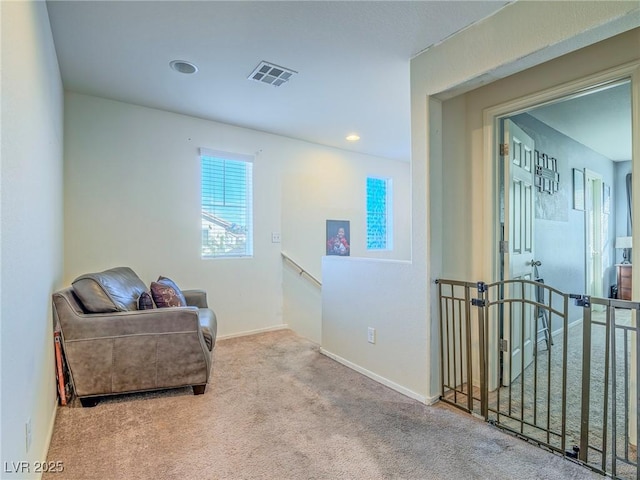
point(353, 137)
point(183, 66)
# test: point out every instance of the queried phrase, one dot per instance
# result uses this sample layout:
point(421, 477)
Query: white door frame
point(594, 284)
point(491, 138)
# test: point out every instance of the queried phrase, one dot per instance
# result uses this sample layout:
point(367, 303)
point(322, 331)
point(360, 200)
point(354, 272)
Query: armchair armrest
point(196, 298)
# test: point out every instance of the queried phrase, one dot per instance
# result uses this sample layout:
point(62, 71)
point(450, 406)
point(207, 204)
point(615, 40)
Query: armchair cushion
point(114, 290)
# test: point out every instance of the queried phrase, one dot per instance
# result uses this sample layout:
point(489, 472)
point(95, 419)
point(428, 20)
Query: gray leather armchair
point(124, 349)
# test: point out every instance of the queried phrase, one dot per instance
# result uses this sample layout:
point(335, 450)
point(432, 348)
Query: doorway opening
point(561, 205)
point(558, 207)
point(576, 195)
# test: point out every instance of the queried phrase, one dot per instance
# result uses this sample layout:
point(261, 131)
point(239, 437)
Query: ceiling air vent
point(272, 74)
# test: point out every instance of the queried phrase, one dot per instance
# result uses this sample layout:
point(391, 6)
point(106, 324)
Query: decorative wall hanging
point(338, 238)
point(547, 178)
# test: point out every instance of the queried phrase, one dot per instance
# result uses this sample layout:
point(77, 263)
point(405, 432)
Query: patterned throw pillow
point(145, 302)
point(166, 293)
point(170, 283)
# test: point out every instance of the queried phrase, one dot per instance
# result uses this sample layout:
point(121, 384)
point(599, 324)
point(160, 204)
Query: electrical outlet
point(275, 237)
point(371, 335)
point(27, 432)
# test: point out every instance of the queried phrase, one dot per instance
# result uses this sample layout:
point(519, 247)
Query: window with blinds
point(379, 214)
point(227, 204)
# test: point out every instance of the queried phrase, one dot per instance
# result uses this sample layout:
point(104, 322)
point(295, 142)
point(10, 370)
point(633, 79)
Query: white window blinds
point(227, 204)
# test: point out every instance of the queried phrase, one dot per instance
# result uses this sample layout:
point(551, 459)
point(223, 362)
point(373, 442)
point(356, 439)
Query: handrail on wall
point(301, 270)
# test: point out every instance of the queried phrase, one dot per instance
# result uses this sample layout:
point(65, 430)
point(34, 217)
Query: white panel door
point(519, 322)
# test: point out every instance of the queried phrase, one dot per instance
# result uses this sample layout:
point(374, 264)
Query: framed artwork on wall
point(338, 238)
point(578, 189)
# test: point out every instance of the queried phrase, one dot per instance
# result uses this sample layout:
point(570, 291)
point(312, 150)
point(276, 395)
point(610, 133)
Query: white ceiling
point(601, 120)
point(352, 58)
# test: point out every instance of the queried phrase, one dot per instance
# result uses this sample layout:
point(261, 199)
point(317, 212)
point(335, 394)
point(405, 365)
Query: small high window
point(379, 214)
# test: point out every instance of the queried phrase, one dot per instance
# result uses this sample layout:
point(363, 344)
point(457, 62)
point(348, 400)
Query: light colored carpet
point(278, 409)
point(548, 382)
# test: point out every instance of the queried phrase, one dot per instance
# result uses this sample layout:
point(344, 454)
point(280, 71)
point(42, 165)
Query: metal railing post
point(441, 332)
point(637, 375)
point(611, 319)
point(607, 361)
point(483, 345)
point(467, 324)
point(565, 353)
point(584, 301)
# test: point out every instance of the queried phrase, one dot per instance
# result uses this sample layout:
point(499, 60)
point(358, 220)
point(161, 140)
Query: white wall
point(539, 31)
point(132, 197)
point(559, 241)
point(397, 356)
point(607, 54)
point(521, 35)
point(331, 185)
point(31, 218)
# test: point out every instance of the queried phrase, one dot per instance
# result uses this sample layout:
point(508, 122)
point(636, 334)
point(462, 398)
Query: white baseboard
point(274, 328)
point(384, 381)
point(560, 330)
point(575, 322)
point(432, 400)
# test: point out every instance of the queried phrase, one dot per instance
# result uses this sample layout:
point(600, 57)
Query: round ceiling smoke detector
point(183, 66)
